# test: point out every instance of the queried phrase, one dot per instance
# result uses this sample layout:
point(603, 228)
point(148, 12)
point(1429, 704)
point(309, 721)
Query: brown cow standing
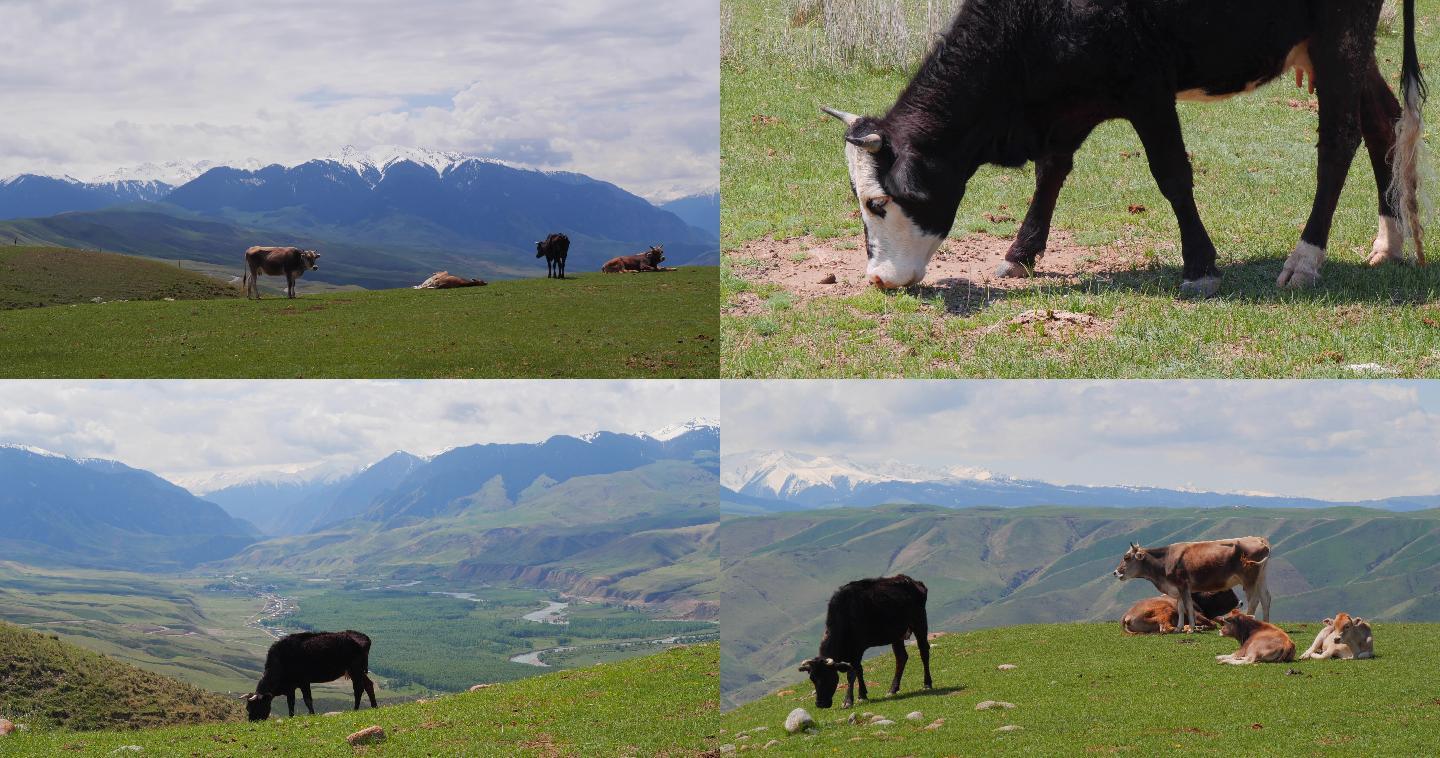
point(444, 280)
point(1260, 642)
point(1185, 567)
point(646, 261)
point(1162, 614)
point(290, 262)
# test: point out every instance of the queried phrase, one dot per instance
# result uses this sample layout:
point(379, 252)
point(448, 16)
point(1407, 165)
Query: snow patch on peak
point(672, 431)
point(380, 158)
point(31, 449)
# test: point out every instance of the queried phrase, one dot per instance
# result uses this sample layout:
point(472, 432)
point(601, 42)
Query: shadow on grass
point(1246, 282)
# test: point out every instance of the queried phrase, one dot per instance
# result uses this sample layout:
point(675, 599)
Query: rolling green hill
point(665, 704)
point(1088, 689)
point(593, 325)
point(31, 277)
point(47, 683)
point(992, 567)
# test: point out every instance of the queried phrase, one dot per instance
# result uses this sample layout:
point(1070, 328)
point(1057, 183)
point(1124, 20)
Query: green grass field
point(665, 704)
point(1089, 689)
point(783, 176)
point(32, 277)
point(594, 325)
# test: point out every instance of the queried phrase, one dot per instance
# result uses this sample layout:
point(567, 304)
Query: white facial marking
point(900, 249)
point(1302, 268)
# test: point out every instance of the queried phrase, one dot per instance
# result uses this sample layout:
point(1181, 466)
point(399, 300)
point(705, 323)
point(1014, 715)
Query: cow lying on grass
point(1161, 615)
point(865, 614)
point(443, 280)
point(1344, 638)
point(299, 660)
point(1260, 642)
point(646, 261)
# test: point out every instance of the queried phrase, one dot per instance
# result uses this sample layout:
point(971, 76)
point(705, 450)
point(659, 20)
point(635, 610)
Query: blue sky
point(193, 431)
point(625, 90)
point(1331, 440)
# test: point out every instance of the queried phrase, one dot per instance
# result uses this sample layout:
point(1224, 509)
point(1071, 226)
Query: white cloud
point(192, 431)
point(623, 90)
point(1332, 440)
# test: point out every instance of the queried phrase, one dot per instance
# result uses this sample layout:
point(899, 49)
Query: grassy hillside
point(784, 177)
point(991, 567)
point(660, 325)
point(45, 682)
point(31, 277)
point(1087, 688)
point(666, 704)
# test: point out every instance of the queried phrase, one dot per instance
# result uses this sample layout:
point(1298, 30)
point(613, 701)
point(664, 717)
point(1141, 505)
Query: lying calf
point(1260, 641)
point(1161, 615)
point(443, 280)
point(1343, 637)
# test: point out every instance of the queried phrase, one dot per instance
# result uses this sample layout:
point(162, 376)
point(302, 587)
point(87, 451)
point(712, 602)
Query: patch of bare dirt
point(1057, 322)
point(809, 268)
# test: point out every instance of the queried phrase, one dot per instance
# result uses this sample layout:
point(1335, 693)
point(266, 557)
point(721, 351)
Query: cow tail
point(1409, 133)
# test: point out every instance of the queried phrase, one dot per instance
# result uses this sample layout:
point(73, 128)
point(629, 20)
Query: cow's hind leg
point(309, 701)
point(1158, 126)
point(1379, 114)
point(1342, 64)
point(900, 658)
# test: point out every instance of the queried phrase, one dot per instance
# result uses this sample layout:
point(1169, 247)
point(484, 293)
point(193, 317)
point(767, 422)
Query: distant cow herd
point(293, 262)
point(1197, 579)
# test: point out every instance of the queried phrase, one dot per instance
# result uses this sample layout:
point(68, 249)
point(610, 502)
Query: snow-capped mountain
point(170, 174)
point(780, 480)
point(34, 195)
point(675, 430)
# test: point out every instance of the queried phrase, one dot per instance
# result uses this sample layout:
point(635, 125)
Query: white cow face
point(311, 259)
point(905, 203)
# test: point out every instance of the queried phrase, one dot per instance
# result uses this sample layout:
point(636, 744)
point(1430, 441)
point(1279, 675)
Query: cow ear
point(842, 666)
point(1328, 622)
point(805, 666)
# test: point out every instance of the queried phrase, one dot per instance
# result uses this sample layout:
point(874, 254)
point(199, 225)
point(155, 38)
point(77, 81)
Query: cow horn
point(1134, 546)
point(849, 119)
point(829, 661)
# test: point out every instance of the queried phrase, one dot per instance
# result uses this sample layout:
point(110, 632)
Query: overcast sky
point(1330, 440)
point(624, 90)
point(192, 431)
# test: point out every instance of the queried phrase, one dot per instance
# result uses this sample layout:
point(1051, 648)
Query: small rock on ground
point(771, 743)
point(6, 726)
point(727, 748)
point(798, 720)
point(1007, 667)
point(1010, 728)
point(366, 736)
point(479, 687)
point(914, 716)
point(936, 724)
point(127, 749)
point(333, 713)
point(827, 279)
point(986, 705)
point(882, 722)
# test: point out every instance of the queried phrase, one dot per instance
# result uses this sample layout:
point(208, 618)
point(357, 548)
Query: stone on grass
point(727, 748)
point(985, 705)
point(1010, 728)
point(771, 743)
point(333, 713)
point(798, 720)
point(936, 724)
point(1007, 667)
point(882, 722)
point(6, 726)
point(914, 716)
point(478, 687)
point(366, 736)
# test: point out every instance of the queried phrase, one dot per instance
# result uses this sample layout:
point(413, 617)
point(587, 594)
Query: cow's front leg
point(900, 658)
point(290, 701)
point(1029, 244)
point(850, 687)
point(309, 702)
point(859, 681)
point(1159, 129)
point(1340, 137)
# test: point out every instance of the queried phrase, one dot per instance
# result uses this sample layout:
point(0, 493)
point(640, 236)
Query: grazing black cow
point(554, 249)
point(299, 660)
point(1020, 80)
point(862, 615)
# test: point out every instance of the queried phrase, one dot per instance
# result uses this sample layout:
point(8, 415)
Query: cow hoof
point(1013, 270)
point(1382, 257)
point(1202, 288)
point(1389, 243)
point(1302, 268)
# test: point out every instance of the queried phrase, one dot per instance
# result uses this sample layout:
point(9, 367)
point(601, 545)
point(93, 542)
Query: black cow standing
point(1027, 80)
point(299, 660)
point(554, 249)
point(865, 614)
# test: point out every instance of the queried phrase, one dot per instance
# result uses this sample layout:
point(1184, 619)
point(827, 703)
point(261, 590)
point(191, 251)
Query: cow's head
point(654, 255)
point(907, 199)
point(540, 249)
point(1236, 624)
point(1130, 563)
point(825, 675)
point(309, 257)
point(257, 706)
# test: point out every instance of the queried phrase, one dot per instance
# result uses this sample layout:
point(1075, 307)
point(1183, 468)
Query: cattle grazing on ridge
point(289, 262)
point(444, 280)
point(1014, 81)
point(1260, 642)
point(1344, 638)
point(865, 614)
point(1187, 567)
point(299, 660)
point(1161, 615)
point(554, 249)
point(646, 261)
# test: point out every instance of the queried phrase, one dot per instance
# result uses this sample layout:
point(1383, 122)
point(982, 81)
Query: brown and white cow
point(646, 261)
point(1185, 567)
point(1260, 642)
point(1344, 638)
point(289, 262)
point(444, 280)
point(1161, 615)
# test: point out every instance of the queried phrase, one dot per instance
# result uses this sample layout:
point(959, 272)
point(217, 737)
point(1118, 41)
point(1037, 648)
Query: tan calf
point(1344, 638)
point(1260, 642)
